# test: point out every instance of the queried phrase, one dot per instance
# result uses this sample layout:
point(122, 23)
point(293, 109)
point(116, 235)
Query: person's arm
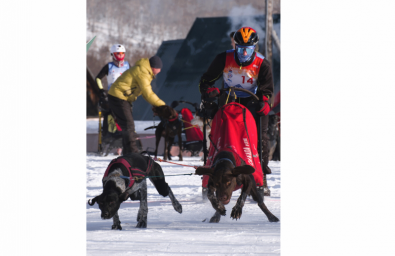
point(265, 80)
point(213, 73)
point(147, 93)
point(265, 88)
point(103, 72)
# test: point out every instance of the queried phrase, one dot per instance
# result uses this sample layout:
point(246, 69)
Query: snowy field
point(171, 233)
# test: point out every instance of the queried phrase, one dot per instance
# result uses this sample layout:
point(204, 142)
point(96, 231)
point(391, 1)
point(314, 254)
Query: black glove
point(103, 94)
point(208, 107)
point(103, 100)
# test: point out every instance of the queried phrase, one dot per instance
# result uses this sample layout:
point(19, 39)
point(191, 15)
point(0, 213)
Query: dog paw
point(215, 219)
point(273, 218)
point(142, 222)
point(236, 212)
point(177, 206)
point(116, 226)
point(222, 210)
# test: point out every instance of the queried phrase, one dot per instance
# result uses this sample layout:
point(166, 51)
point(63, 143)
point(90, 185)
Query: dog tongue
point(225, 202)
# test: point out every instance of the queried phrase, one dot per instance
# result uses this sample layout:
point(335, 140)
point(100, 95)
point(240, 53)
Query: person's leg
point(265, 154)
point(105, 123)
point(264, 190)
point(122, 111)
point(265, 145)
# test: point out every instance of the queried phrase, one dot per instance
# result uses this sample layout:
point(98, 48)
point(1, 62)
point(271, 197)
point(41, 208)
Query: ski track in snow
point(171, 233)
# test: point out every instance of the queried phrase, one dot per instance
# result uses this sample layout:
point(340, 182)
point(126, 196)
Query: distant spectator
point(112, 70)
point(124, 91)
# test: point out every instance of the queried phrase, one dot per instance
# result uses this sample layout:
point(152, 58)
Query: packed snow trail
point(171, 233)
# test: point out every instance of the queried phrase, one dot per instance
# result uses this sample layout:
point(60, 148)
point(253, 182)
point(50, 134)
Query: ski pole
point(99, 149)
point(204, 141)
point(260, 138)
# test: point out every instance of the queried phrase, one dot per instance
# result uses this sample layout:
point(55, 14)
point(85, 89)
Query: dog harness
point(239, 161)
point(223, 159)
point(172, 123)
point(133, 171)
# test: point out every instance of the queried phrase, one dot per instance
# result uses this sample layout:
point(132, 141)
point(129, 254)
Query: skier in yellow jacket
point(124, 91)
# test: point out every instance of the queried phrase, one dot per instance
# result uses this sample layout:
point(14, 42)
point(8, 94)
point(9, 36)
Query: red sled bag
point(234, 129)
point(192, 134)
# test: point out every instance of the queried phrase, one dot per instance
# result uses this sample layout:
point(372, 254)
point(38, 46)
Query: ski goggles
point(248, 49)
point(119, 55)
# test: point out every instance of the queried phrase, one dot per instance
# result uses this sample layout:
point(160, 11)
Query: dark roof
point(185, 61)
point(167, 52)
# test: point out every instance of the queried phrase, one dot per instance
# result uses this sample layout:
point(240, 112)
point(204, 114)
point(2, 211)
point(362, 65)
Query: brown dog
point(226, 177)
point(169, 127)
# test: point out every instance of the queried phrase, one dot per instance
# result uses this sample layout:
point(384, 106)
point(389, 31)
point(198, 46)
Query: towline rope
point(161, 160)
point(137, 178)
point(193, 126)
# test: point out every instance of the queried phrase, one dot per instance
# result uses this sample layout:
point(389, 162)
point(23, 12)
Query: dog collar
point(226, 159)
point(175, 118)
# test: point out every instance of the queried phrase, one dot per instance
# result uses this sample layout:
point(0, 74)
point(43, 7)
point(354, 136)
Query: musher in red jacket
point(244, 68)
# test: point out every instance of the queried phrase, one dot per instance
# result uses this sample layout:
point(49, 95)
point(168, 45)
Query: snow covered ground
point(171, 233)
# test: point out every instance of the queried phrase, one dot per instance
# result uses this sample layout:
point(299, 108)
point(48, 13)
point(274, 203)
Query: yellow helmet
point(246, 36)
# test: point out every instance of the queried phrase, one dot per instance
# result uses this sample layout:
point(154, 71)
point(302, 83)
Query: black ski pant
point(264, 128)
point(123, 114)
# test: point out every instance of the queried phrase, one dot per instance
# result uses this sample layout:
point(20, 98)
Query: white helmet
point(117, 48)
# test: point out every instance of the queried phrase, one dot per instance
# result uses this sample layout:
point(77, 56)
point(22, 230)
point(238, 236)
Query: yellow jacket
point(134, 82)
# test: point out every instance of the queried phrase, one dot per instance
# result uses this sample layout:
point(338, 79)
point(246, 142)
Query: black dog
point(124, 178)
point(225, 176)
point(169, 127)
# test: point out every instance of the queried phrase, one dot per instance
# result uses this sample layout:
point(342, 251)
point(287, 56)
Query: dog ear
point(245, 169)
point(173, 113)
point(124, 196)
point(204, 171)
point(158, 110)
point(155, 111)
point(165, 111)
point(174, 104)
